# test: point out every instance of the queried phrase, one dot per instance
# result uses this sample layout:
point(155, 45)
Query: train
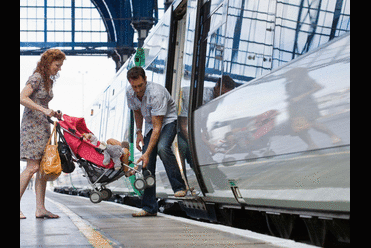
point(270, 153)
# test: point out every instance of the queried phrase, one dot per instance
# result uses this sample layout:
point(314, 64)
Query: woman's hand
point(48, 112)
point(58, 115)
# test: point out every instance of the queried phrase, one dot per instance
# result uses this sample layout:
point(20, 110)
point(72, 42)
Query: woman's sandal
point(48, 216)
point(22, 215)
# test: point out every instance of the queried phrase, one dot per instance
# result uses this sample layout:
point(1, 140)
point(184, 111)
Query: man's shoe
point(143, 213)
point(180, 193)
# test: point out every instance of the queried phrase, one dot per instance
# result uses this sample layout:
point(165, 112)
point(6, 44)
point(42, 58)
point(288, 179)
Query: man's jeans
point(163, 149)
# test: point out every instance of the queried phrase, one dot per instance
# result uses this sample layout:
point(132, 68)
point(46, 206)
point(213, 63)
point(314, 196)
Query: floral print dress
point(35, 128)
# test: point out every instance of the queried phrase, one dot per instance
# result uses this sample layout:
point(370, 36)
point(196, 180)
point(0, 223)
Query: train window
point(213, 63)
point(213, 4)
point(156, 51)
point(212, 53)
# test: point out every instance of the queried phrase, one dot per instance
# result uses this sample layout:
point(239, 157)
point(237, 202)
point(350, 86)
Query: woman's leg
point(40, 187)
point(26, 175)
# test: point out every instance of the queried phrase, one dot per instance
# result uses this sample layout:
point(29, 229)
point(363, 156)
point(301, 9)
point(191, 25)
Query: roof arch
point(115, 38)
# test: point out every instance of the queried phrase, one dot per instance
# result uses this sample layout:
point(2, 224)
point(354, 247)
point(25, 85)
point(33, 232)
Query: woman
point(35, 128)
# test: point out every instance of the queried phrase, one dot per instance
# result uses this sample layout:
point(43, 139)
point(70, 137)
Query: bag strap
point(54, 132)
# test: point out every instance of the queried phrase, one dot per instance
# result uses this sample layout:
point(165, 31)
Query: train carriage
point(276, 148)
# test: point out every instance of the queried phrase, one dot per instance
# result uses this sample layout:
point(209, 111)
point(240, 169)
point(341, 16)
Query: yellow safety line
point(95, 238)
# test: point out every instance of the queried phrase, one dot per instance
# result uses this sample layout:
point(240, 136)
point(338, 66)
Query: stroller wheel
point(150, 180)
point(106, 194)
point(96, 197)
point(140, 184)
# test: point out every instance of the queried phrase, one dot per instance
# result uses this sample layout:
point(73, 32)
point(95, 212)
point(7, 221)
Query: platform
point(108, 224)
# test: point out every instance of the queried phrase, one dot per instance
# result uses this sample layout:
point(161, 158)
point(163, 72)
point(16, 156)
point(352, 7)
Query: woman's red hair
point(47, 58)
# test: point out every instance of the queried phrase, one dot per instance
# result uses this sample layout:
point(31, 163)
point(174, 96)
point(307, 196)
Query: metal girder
point(313, 12)
point(335, 21)
point(80, 48)
point(118, 16)
point(237, 31)
point(143, 20)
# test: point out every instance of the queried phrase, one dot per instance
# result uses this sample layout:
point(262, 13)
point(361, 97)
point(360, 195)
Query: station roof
point(81, 27)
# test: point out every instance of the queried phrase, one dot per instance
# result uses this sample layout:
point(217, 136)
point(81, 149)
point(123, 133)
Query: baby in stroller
point(112, 149)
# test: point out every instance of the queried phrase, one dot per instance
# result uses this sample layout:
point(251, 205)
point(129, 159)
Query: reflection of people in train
point(250, 134)
point(223, 85)
point(303, 109)
point(209, 94)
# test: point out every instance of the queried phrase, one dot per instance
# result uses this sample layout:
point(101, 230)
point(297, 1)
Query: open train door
point(178, 85)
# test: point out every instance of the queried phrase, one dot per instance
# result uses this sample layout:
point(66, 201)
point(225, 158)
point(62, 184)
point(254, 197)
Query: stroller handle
point(139, 169)
point(50, 119)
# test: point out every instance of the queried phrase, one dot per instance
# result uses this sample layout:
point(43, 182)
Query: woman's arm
point(27, 102)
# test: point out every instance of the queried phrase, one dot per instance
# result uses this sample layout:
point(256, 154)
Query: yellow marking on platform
point(95, 238)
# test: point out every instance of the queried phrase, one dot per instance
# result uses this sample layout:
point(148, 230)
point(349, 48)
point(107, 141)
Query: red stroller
point(89, 157)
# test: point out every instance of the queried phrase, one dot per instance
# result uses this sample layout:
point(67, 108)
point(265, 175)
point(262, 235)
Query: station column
point(142, 26)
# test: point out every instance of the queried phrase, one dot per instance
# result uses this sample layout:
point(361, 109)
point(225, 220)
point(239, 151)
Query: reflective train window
point(212, 53)
point(213, 64)
point(247, 39)
point(156, 50)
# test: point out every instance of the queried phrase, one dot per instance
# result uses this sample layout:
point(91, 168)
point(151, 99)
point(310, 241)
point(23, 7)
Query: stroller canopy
point(76, 127)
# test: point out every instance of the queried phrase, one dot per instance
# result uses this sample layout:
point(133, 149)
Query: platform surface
point(107, 224)
point(60, 232)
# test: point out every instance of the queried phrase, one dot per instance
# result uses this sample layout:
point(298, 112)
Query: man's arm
point(157, 126)
point(139, 123)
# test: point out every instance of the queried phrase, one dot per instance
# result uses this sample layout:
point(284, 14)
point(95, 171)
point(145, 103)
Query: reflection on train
point(263, 133)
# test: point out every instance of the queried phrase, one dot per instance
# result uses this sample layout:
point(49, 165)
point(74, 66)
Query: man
point(153, 103)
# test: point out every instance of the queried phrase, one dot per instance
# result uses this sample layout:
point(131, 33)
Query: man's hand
point(157, 125)
point(139, 140)
point(145, 159)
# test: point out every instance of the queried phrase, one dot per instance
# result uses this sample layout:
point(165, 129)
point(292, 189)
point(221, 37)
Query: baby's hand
point(130, 173)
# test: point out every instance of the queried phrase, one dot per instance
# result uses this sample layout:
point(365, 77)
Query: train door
point(211, 83)
point(186, 47)
point(179, 89)
point(208, 80)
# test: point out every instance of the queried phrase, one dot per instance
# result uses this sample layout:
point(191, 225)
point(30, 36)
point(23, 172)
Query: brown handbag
point(50, 165)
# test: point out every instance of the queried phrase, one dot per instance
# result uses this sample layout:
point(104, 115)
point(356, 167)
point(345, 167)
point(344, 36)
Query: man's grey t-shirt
point(156, 101)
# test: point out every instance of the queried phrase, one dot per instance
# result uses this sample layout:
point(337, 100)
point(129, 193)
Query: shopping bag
point(50, 165)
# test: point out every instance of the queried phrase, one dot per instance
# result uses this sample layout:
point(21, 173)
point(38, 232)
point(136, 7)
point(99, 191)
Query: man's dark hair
point(135, 72)
point(228, 82)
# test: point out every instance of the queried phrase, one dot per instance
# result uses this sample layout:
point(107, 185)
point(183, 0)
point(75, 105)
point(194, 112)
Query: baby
point(116, 148)
point(89, 137)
